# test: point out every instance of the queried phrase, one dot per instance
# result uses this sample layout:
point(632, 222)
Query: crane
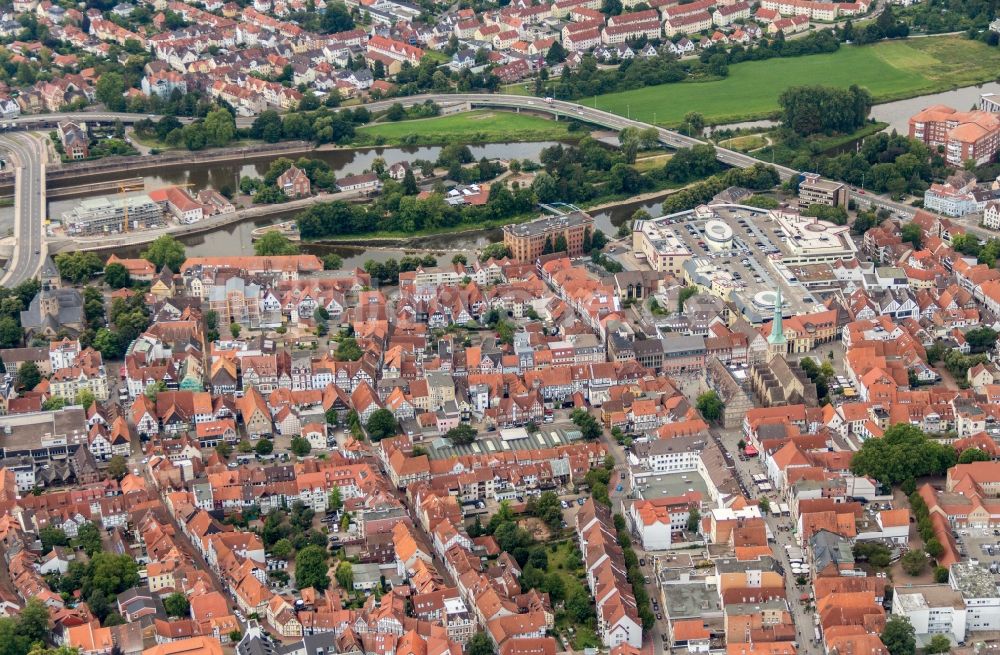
point(129, 188)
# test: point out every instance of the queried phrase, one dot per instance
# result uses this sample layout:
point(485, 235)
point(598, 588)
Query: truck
point(549, 100)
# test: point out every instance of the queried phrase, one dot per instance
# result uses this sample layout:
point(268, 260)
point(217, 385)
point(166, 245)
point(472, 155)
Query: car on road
point(642, 562)
point(659, 617)
point(581, 501)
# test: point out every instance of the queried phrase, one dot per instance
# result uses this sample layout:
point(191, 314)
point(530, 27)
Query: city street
point(782, 529)
point(28, 155)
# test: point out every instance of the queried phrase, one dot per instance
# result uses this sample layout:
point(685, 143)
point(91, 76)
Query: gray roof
point(679, 344)
point(70, 310)
point(830, 548)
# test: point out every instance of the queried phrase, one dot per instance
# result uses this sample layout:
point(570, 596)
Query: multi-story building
point(965, 135)
point(991, 215)
point(528, 241)
point(813, 190)
point(659, 243)
point(101, 215)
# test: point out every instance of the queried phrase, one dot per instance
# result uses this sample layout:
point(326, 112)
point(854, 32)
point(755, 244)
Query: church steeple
point(776, 342)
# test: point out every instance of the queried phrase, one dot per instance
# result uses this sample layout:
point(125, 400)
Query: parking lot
point(981, 544)
point(755, 239)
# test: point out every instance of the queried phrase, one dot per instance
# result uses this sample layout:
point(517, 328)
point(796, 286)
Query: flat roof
point(694, 600)
point(549, 224)
point(668, 485)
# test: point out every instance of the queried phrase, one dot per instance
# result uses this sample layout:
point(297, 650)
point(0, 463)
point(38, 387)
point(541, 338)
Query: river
point(235, 240)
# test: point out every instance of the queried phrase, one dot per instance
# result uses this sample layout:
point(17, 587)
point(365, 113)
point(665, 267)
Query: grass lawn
point(890, 70)
point(566, 562)
point(484, 126)
point(744, 143)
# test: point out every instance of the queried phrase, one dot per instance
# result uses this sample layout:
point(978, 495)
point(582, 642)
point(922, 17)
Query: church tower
point(776, 342)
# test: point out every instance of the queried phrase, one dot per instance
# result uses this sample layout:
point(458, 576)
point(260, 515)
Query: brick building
point(526, 241)
point(964, 134)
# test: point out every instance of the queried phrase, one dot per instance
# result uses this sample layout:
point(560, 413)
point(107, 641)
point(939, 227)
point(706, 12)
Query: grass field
point(890, 70)
point(470, 127)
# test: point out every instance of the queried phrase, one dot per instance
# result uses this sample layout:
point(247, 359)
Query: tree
point(33, 622)
point(898, 636)
point(876, 554)
point(480, 644)
point(694, 123)
point(461, 434)
point(494, 251)
point(911, 233)
point(220, 127)
point(224, 449)
point(710, 405)
point(335, 501)
point(348, 350)
point(337, 18)
point(51, 536)
point(904, 452)
point(588, 425)
point(78, 267)
point(311, 568)
point(809, 110)
point(235, 329)
point(332, 262)
point(165, 251)
point(109, 91)
point(934, 548)
point(981, 339)
point(117, 467)
point(11, 333)
point(267, 126)
point(939, 643)
point(914, 562)
point(560, 244)
point(274, 243)
point(53, 403)
point(89, 538)
point(176, 604)
point(28, 375)
point(694, 520)
point(345, 576)
point(970, 455)
point(300, 446)
point(381, 424)
point(941, 574)
point(282, 549)
point(117, 276)
point(264, 447)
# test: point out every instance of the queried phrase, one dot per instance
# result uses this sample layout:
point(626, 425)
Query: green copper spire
point(777, 336)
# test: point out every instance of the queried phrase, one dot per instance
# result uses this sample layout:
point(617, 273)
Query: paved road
point(28, 154)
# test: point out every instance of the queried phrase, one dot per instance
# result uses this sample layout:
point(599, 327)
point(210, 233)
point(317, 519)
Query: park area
point(468, 127)
point(890, 70)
